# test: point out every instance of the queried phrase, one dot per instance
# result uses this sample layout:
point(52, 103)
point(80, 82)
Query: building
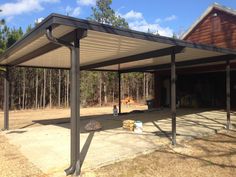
point(203, 86)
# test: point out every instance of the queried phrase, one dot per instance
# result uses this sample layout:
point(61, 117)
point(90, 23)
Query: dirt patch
point(14, 164)
point(213, 156)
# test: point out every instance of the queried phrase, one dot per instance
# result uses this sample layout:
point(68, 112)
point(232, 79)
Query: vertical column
point(173, 98)
point(75, 109)
point(6, 99)
point(228, 93)
point(119, 95)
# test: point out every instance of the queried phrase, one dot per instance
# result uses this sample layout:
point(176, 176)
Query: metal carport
point(69, 43)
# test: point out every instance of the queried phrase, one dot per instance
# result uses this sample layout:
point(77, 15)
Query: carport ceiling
point(104, 48)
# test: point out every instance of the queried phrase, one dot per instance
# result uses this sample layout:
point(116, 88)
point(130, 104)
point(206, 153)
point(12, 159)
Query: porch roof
point(106, 48)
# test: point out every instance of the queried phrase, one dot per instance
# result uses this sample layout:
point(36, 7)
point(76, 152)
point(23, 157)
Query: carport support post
point(75, 164)
point(75, 108)
point(173, 98)
point(6, 99)
point(119, 95)
point(228, 93)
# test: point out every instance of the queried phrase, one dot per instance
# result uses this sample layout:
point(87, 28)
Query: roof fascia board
point(184, 63)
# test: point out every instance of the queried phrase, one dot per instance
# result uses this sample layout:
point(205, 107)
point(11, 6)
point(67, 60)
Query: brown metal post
point(228, 93)
point(6, 100)
point(75, 165)
point(173, 98)
point(75, 109)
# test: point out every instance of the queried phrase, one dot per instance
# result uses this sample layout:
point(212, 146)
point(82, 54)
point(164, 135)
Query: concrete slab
point(48, 146)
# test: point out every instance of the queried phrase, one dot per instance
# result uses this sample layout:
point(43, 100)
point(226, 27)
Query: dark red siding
point(217, 28)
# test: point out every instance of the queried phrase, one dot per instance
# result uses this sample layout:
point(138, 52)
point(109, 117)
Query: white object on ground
point(138, 127)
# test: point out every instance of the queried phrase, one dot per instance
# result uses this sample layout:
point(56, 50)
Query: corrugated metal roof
point(104, 47)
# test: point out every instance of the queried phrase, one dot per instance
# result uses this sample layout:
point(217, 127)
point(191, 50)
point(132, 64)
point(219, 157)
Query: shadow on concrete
point(16, 132)
point(29, 125)
point(162, 132)
point(85, 148)
point(109, 122)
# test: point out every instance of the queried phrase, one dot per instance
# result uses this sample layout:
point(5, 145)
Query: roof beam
point(137, 57)
point(182, 63)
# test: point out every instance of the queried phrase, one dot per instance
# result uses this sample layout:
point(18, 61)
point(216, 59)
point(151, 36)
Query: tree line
point(40, 88)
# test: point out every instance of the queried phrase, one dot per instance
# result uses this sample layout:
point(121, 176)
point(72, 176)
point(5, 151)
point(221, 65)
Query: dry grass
point(213, 156)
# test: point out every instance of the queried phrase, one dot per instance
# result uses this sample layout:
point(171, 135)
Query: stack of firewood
point(128, 125)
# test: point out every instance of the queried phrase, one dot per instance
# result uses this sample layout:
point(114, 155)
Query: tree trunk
point(122, 88)
point(19, 98)
point(23, 91)
point(44, 87)
point(147, 86)
point(67, 89)
point(137, 92)
point(50, 88)
point(41, 96)
point(144, 86)
point(113, 92)
point(100, 90)
point(36, 89)
point(12, 91)
point(59, 88)
point(26, 100)
point(105, 90)
point(128, 88)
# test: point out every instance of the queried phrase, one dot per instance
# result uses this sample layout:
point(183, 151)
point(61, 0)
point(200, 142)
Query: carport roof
point(106, 48)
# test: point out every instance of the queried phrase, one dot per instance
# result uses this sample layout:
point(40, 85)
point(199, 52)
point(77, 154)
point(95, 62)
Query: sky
point(163, 16)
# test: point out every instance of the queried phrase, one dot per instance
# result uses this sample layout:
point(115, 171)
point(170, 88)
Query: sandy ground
point(213, 156)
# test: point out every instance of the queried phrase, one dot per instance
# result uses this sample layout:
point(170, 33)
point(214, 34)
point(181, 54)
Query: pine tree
point(103, 13)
